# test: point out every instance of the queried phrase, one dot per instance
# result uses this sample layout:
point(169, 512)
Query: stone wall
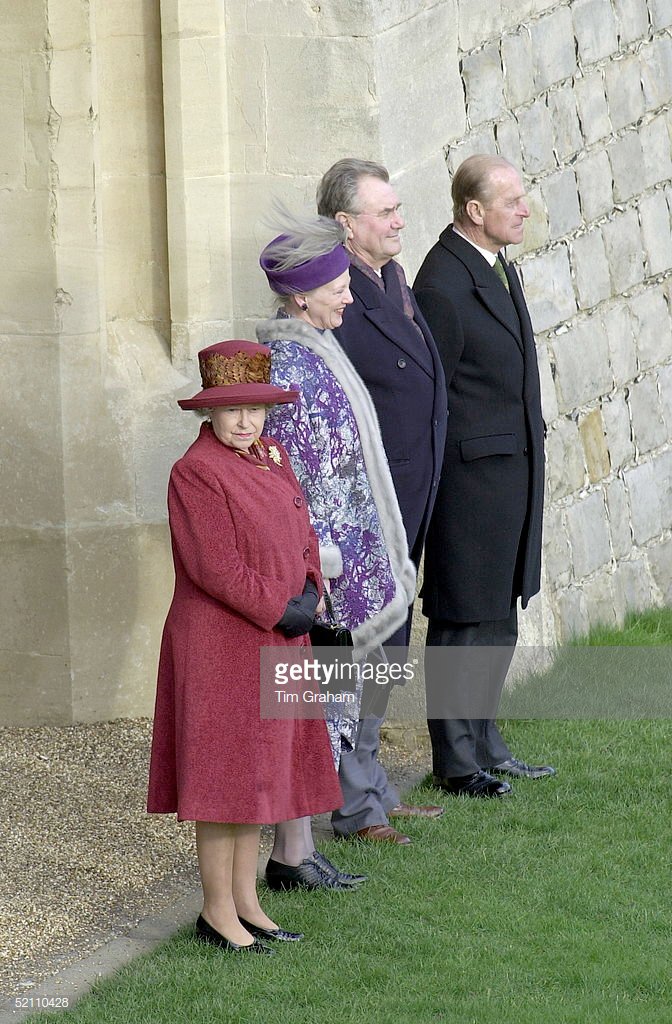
point(143, 141)
point(372, 78)
point(87, 421)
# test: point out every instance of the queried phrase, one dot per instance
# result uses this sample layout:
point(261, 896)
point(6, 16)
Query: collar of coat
point(410, 334)
point(511, 310)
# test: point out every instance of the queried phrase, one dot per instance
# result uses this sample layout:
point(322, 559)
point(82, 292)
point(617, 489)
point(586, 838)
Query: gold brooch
point(274, 454)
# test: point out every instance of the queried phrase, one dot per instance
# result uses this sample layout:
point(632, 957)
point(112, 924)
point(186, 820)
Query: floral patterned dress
point(333, 440)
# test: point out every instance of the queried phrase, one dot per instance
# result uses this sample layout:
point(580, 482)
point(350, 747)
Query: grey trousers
point(367, 792)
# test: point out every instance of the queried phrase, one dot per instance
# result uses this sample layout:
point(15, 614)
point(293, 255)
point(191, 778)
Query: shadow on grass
point(596, 683)
point(608, 674)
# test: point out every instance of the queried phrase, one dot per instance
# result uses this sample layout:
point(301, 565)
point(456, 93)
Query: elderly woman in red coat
point(246, 576)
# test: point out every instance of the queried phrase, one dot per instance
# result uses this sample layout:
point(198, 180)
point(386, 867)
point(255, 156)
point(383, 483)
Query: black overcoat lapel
point(487, 288)
point(384, 313)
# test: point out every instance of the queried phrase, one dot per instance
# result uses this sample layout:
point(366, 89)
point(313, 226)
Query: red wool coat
point(242, 546)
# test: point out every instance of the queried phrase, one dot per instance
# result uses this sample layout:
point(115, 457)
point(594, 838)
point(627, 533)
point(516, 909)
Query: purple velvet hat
point(306, 276)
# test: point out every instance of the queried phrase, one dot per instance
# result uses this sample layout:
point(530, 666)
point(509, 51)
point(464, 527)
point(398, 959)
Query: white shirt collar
point(491, 257)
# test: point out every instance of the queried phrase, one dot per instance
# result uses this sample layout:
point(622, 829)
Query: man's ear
point(475, 212)
point(344, 219)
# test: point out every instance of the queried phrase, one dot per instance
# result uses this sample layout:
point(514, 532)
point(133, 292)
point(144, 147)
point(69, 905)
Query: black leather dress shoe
point(516, 769)
point(480, 784)
point(307, 875)
point(272, 934)
point(344, 877)
point(206, 933)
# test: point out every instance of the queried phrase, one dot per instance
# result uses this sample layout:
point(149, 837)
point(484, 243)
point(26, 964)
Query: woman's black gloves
point(300, 612)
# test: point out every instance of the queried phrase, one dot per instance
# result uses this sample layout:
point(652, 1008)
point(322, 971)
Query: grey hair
point(473, 180)
point(338, 190)
point(304, 237)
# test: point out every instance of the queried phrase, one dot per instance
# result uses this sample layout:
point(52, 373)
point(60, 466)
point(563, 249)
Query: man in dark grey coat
point(483, 548)
point(386, 338)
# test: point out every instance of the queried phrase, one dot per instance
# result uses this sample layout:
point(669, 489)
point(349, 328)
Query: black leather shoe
point(206, 933)
point(516, 769)
point(479, 784)
point(272, 934)
point(344, 877)
point(308, 875)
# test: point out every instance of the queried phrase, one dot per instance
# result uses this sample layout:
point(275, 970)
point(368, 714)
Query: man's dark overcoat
point(402, 371)
point(483, 546)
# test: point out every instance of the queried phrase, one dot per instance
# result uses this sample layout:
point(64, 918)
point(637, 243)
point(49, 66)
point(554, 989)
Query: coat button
point(298, 501)
point(401, 363)
point(306, 552)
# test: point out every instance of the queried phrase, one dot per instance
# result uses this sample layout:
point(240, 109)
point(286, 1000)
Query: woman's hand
point(321, 607)
point(300, 612)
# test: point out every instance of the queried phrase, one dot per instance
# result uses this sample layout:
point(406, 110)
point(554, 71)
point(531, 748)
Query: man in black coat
point(483, 548)
point(386, 338)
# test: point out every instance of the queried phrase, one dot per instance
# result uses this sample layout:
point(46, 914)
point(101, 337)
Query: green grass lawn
point(640, 629)
point(612, 674)
point(550, 907)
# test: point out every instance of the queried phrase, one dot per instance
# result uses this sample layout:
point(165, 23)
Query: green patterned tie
point(499, 270)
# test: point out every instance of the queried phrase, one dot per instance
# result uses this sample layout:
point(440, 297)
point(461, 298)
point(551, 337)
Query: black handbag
point(325, 633)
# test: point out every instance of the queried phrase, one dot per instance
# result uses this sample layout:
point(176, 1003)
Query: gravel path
point(81, 860)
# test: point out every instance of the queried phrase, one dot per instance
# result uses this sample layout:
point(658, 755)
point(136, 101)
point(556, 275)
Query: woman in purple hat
point(247, 576)
point(334, 442)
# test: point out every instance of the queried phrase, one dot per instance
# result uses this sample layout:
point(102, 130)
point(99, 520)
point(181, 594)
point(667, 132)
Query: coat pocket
point(492, 444)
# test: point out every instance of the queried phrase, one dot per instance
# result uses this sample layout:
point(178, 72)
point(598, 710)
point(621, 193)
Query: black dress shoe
point(307, 875)
point(206, 933)
point(273, 934)
point(480, 784)
point(516, 769)
point(344, 877)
